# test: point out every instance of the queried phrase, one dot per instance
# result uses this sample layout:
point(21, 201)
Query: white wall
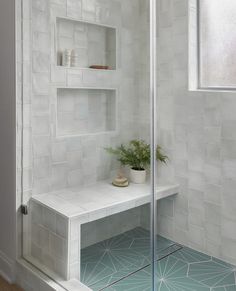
point(7, 137)
point(49, 161)
point(197, 129)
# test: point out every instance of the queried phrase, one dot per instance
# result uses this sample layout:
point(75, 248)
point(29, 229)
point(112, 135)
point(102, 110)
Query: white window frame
point(194, 64)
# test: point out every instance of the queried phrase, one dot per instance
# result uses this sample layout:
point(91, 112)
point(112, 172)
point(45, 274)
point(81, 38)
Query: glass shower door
point(86, 72)
point(88, 104)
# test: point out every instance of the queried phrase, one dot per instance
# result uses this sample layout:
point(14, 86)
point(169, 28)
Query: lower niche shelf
point(84, 111)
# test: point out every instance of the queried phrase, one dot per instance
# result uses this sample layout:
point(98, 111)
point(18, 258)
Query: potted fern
point(136, 155)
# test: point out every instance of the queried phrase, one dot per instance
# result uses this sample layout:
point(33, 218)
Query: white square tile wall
point(197, 129)
point(85, 111)
point(51, 163)
point(49, 240)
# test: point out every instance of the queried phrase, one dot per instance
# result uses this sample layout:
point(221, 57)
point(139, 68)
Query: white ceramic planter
point(138, 177)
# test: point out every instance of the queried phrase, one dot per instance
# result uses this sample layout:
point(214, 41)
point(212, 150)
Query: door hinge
point(24, 209)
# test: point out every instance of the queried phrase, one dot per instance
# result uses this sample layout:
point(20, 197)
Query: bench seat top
point(101, 200)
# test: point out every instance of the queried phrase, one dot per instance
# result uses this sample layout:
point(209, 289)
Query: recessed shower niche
point(94, 44)
point(82, 111)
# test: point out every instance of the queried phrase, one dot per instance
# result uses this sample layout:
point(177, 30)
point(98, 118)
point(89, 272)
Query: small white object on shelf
point(74, 58)
point(138, 176)
point(66, 58)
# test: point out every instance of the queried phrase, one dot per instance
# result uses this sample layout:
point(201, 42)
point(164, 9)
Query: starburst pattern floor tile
point(213, 273)
point(112, 259)
point(140, 281)
point(172, 276)
point(191, 256)
point(114, 265)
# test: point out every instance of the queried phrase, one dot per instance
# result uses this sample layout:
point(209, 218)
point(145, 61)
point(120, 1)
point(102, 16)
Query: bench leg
point(74, 249)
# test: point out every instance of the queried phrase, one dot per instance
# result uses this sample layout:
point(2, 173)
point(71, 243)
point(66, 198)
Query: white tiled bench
point(57, 218)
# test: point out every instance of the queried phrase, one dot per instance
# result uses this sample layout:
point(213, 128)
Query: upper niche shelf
point(94, 44)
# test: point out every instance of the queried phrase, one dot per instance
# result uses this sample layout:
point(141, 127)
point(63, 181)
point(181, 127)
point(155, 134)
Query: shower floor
point(122, 263)
point(107, 262)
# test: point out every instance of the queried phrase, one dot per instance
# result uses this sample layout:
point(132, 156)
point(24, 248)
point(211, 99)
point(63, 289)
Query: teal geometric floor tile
point(171, 268)
point(93, 272)
point(140, 281)
point(213, 273)
point(112, 259)
point(110, 280)
point(137, 233)
point(114, 265)
point(114, 277)
point(225, 288)
point(191, 256)
point(172, 275)
point(166, 252)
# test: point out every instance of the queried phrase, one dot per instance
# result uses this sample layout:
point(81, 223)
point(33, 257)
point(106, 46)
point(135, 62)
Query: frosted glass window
point(217, 43)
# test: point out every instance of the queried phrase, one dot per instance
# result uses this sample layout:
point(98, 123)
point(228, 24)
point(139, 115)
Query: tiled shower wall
point(196, 128)
point(85, 111)
point(50, 161)
point(198, 131)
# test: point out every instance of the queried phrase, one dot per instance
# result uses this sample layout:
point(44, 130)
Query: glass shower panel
point(90, 153)
point(88, 221)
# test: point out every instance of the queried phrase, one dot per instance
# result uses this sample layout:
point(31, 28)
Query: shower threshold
point(106, 263)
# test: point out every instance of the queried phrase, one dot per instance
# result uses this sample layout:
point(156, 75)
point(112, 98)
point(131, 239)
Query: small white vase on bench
point(138, 176)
